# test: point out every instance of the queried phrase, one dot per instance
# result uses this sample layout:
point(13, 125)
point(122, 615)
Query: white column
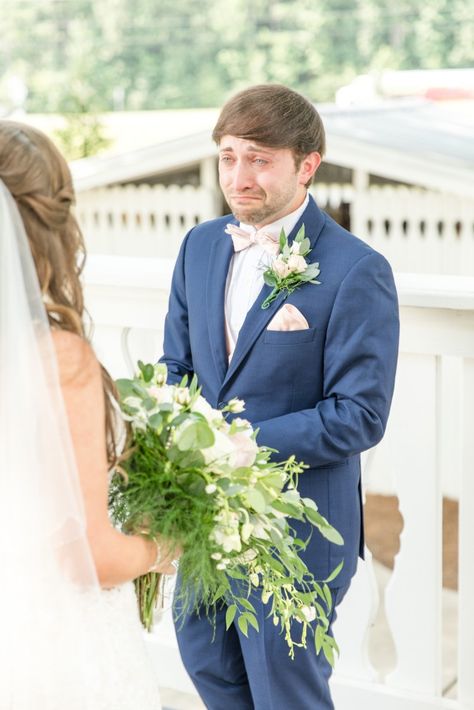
point(413, 594)
point(466, 543)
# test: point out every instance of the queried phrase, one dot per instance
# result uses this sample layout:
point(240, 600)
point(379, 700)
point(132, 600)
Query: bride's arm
point(118, 557)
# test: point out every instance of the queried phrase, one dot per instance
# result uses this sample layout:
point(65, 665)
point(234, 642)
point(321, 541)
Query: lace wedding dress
point(65, 644)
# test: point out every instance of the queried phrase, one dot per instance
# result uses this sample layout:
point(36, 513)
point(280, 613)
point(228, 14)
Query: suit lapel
point(219, 260)
point(254, 323)
point(257, 318)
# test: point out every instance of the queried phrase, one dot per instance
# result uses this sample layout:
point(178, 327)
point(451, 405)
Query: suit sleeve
point(360, 356)
point(176, 344)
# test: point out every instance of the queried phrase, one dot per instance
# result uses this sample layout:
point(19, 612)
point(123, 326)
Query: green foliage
point(204, 485)
point(82, 137)
point(149, 55)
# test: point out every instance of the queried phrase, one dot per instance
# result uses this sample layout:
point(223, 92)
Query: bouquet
point(196, 476)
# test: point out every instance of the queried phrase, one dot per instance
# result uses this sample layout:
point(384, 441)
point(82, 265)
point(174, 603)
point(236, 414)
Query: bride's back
point(38, 178)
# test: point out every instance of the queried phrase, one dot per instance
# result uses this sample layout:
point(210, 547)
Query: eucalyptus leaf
point(269, 278)
point(197, 435)
point(243, 625)
point(287, 508)
point(319, 637)
point(252, 620)
point(311, 271)
point(331, 534)
point(146, 371)
point(156, 421)
point(301, 234)
point(190, 459)
point(327, 597)
point(328, 652)
point(220, 592)
point(282, 239)
point(125, 388)
point(149, 403)
point(335, 572)
point(193, 387)
point(305, 246)
point(315, 518)
point(230, 616)
point(246, 604)
point(256, 499)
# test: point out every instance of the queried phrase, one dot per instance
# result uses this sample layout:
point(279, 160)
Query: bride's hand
point(167, 555)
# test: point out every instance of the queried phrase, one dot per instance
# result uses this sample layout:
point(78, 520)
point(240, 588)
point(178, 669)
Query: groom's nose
point(242, 177)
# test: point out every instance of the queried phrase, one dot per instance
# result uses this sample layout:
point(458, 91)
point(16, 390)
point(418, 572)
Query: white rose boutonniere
point(289, 268)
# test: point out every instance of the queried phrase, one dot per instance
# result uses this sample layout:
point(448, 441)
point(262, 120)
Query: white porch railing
point(142, 220)
point(417, 230)
point(435, 385)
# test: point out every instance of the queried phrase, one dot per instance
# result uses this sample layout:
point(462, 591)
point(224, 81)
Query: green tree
point(192, 53)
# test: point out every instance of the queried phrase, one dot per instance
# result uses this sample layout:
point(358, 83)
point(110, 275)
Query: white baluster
point(357, 613)
point(466, 541)
point(413, 595)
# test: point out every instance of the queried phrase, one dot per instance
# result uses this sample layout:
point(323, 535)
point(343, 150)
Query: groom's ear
point(308, 167)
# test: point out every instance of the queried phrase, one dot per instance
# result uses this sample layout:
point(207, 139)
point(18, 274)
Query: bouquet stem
point(148, 588)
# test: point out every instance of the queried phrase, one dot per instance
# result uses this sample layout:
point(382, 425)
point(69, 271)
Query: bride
point(69, 630)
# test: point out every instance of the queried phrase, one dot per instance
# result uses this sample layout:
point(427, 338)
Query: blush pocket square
point(288, 318)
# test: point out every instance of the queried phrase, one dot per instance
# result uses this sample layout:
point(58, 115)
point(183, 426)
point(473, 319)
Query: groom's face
point(262, 184)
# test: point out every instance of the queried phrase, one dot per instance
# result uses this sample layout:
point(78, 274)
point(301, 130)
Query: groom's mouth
point(241, 198)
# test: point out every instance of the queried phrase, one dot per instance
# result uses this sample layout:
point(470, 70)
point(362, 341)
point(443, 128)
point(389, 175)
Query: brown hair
point(38, 177)
point(275, 116)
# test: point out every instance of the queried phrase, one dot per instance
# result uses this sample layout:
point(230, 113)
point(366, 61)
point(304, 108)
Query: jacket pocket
point(337, 464)
point(289, 337)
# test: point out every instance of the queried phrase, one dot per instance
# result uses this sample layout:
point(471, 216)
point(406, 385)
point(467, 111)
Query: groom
point(316, 369)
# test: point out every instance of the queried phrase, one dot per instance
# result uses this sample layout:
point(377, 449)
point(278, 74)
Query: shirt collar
point(287, 222)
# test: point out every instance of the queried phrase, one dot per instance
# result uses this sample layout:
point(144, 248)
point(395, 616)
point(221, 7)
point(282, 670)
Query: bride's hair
point(38, 177)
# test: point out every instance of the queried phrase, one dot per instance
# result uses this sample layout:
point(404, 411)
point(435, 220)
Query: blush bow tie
point(242, 239)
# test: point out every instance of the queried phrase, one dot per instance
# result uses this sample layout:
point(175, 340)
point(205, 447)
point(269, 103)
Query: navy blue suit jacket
point(322, 394)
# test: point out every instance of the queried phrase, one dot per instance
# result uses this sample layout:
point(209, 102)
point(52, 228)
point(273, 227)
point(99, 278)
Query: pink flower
point(245, 451)
point(281, 268)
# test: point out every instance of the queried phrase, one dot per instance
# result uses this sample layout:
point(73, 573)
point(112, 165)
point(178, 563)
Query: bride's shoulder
point(76, 359)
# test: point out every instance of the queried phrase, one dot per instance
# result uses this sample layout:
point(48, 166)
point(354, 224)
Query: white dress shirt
point(245, 276)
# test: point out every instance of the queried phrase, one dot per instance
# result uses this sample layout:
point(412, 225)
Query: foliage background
point(153, 54)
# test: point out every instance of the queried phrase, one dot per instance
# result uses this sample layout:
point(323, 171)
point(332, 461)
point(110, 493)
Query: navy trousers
point(233, 672)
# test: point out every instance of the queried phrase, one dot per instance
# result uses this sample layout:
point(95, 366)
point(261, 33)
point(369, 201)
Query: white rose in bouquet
point(245, 449)
point(202, 406)
point(222, 450)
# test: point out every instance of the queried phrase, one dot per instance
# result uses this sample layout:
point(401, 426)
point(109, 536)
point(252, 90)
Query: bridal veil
point(54, 653)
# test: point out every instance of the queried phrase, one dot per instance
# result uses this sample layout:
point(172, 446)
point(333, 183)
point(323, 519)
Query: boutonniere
point(289, 269)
